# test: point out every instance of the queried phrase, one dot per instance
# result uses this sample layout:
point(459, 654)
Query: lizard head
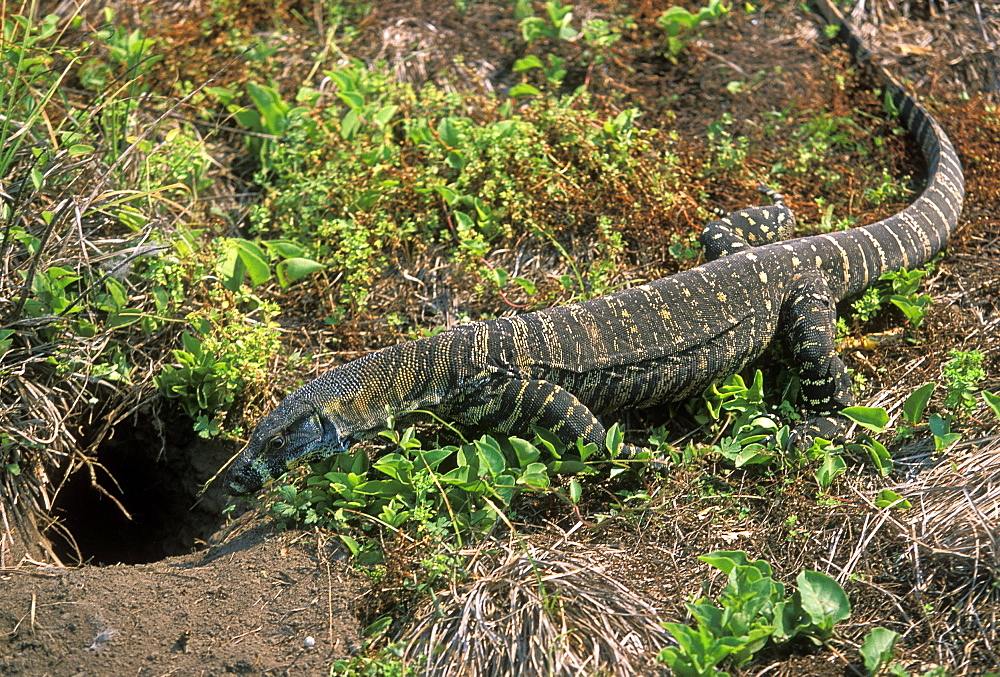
point(295, 432)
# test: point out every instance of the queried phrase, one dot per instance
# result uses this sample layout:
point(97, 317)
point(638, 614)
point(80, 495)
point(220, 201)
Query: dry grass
point(531, 609)
point(962, 35)
point(48, 392)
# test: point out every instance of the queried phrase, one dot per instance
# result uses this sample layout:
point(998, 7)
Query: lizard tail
point(913, 236)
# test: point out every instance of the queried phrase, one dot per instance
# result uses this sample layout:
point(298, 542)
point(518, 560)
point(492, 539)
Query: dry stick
point(329, 602)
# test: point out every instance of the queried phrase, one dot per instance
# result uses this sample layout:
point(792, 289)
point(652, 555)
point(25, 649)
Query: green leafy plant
point(747, 417)
point(901, 291)
point(680, 26)
point(751, 611)
point(381, 167)
point(556, 25)
point(213, 366)
point(242, 258)
point(446, 494)
point(868, 305)
point(962, 374)
point(878, 649)
point(939, 426)
point(905, 297)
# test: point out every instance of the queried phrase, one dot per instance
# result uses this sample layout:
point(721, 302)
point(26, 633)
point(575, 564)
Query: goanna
point(653, 343)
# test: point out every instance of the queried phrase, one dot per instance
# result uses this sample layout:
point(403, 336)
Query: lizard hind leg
point(808, 322)
point(748, 227)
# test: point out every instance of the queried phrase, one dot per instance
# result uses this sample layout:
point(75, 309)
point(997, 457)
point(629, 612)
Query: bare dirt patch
point(245, 605)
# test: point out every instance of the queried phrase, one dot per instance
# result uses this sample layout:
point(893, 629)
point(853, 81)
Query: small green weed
point(680, 26)
point(751, 611)
point(730, 152)
point(555, 46)
point(901, 291)
point(556, 25)
point(887, 190)
point(962, 374)
point(868, 305)
point(904, 294)
point(229, 351)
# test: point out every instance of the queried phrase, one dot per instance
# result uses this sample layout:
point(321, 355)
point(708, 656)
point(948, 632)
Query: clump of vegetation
point(680, 25)
point(384, 167)
point(751, 611)
point(446, 495)
point(101, 279)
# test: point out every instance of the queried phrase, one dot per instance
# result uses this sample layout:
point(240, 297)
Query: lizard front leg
point(748, 227)
point(511, 405)
point(808, 320)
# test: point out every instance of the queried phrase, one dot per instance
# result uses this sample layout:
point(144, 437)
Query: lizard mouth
point(244, 480)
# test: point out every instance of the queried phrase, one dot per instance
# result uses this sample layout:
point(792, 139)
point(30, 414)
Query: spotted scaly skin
point(658, 342)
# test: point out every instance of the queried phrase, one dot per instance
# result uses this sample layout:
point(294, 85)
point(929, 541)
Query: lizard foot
point(830, 428)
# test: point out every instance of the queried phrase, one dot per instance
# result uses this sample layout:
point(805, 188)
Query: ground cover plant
point(202, 210)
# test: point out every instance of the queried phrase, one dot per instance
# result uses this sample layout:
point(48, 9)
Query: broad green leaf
point(525, 451)
point(492, 456)
point(873, 418)
point(286, 249)
point(613, 440)
point(880, 457)
point(295, 268)
point(914, 405)
point(385, 114)
point(878, 648)
point(993, 401)
point(254, 259)
point(395, 466)
point(529, 288)
point(351, 544)
point(528, 62)
point(833, 466)
point(575, 491)
point(941, 429)
point(272, 109)
point(524, 89)
point(752, 454)
point(447, 194)
point(725, 560)
point(448, 132)
point(550, 441)
point(887, 498)
point(384, 488)
point(354, 100)
point(535, 476)
point(823, 600)
point(349, 125)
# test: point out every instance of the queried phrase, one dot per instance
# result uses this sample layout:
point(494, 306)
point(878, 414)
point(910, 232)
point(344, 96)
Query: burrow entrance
point(155, 476)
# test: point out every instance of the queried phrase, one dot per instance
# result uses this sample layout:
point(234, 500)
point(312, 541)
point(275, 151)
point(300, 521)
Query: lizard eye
point(277, 443)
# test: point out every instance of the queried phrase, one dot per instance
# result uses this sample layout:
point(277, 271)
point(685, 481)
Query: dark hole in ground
point(156, 478)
